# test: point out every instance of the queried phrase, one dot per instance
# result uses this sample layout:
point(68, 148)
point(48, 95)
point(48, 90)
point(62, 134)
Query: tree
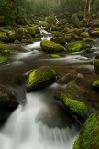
point(88, 9)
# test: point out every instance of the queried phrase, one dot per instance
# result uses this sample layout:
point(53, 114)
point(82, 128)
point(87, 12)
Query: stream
point(41, 122)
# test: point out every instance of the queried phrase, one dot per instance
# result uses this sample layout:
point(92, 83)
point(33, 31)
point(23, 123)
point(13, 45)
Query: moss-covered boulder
point(77, 46)
point(94, 32)
point(23, 33)
point(96, 64)
point(8, 103)
point(60, 40)
point(3, 49)
point(89, 135)
point(11, 36)
point(55, 56)
point(43, 23)
point(51, 47)
point(84, 34)
point(75, 107)
point(3, 59)
point(32, 30)
point(95, 85)
point(3, 36)
point(40, 78)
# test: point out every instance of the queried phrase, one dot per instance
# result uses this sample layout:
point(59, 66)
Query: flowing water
point(23, 130)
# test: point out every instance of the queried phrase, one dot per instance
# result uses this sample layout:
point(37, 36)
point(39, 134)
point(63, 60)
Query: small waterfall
point(23, 131)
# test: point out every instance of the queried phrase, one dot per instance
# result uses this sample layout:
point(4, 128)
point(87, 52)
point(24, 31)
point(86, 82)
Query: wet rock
point(94, 32)
point(33, 30)
point(74, 95)
point(40, 78)
point(84, 34)
point(3, 36)
point(11, 35)
point(95, 85)
point(77, 46)
point(8, 103)
point(60, 40)
point(51, 47)
point(43, 23)
point(75, 107)
point(89, 134)
point(96, 64)
point(22, 33)
point(55, 56)
point(3, 59)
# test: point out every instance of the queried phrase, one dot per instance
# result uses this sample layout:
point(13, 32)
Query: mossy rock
point(76, 107)
point(23, 33)
point(3, 36)
point(3, 59)
point(33, 30)
point(95, 85)
point(8, 103)
point(77, 46)
point(43, 23)
point(60, 40)
point(40, 78)
point(89, 135)
point(11, 36)
point(96, 65)
point(3, 49)
point(51, 47)
point(84, 34)
point(55, 56)
point(94, 32)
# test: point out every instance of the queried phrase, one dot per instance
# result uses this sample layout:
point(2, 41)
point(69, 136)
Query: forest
point(49, 74)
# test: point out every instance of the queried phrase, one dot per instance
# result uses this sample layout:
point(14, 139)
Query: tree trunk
point(88, 10)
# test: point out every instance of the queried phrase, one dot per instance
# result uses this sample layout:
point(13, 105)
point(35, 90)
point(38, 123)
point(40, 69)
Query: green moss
point(89, 135)
point(2, 46)
point(51, 47)
point(55, 56)
point(75, 106)
point(77, 46)
point(85, 34)
point(95, 84)
point(40, 78)
point(32, 30)
point(3, 36)
point(3, 59)
point(96, 62)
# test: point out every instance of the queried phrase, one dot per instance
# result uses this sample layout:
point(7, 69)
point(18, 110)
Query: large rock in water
point(8, 103)
point(77, 46)
point(96, 64)
point(89, 135)
point(51, 47)
point(77, 108)
point(40, 78)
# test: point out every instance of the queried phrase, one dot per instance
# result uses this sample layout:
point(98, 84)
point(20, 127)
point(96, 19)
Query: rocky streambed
point(64, 67)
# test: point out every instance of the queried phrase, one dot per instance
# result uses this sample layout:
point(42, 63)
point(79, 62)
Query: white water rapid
point(24, 131)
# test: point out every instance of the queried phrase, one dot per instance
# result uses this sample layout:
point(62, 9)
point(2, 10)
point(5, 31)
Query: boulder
point(75, 107)
point(8, 103)
point(77, 46)
point(60, 40)
point(4, 49)
point(32, 30)
point(3, 59)
point(95, 85)
point(84, 34)
point(40, 78)
point(88, 137)
point(96, 64)
point(3, 36)
point(51, 47)
point(94, 32)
